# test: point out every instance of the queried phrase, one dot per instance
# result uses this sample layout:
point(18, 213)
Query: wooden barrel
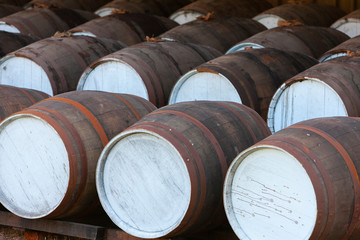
point(219, 33)
point(350, 47)
point(349, 24)
point(19, 3)
point(307, 14)
point(163, 176)
point(300, 183)
point(155, 7)
point(89, 5)
point(130, 28)
point(13, 99)
point(48, 169)
point(73, 17)
point(7, 9)
point(148, 70)
point(54, 65)
point(10, 42)
point(309, 40)
point(37, 22)
point(224, 8)
point(327, 89)
point(250, 77)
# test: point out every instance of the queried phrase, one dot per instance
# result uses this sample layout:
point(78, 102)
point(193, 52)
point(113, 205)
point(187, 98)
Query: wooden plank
point(53, 226)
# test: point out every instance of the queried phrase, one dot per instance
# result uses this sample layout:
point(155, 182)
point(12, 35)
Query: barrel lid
point(19, 71)
point(244, 45)
point(8, 28)
point(143, 183)
point(268, 20)
point(269, 195)
point(34, 173)
point(102, 12)
point(83, 33)
point(202, 84)
point(302, 99)
point(185, 16)
point(349, 26)
point(113, 75)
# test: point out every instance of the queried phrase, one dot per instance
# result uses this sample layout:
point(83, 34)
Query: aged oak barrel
point(327, 89)
point(309, 40)
point(307, 14)
point(54, 65)
point(148, 70)
point(219, 33)
point(39, 22)
point(10, 42)
point(19, 3)
point(350, 47)
point(49, 151)
point(155, 7)
point(89, 5)
point(14, 99)
point(300, 183)
point(163, 176)
point(130, 28)
point(73, 17)
point(349, 24)
point(7, 9)
point(250, 77)
point(224, 8)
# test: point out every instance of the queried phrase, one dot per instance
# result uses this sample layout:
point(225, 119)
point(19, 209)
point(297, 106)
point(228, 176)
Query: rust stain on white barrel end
point(269, 195)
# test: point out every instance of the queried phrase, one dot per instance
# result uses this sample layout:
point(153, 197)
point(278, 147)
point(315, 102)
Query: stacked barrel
point(160, 114)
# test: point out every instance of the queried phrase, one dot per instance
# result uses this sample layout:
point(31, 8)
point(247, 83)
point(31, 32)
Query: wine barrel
point(148, 70)
point(327, 89)
point(224, 8)
point(349, 24)
point(300, 183)
point(349, 47)
point(19, 3)
point(307, 14)
point(155, 7)
point(250, 77)
point(50, 150)
point(13, 99)
point(54, 65)
point(88, 5)
point(163, 176)
point(7, 9)
point(219, 33)
point(309, 40)
point(10, 42)
point(73, 17)
point(39, 22)
point(130, 28)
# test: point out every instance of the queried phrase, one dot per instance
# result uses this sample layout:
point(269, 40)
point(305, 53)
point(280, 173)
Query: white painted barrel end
point(143, 184)
point(268, 20)
point(34, 173)
point(113, 75)
point(83, 33)
point(102, 12)
point(182, 17)
point(301, 100)
point(243, 46)
point(23, 72)
point(330, 56)
point(349, 26)
point(203, 85)
point(269, 195)
point(8, 28)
